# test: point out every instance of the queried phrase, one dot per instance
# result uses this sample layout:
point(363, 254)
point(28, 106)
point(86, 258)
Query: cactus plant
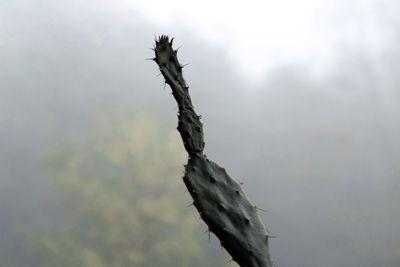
point(220, 200)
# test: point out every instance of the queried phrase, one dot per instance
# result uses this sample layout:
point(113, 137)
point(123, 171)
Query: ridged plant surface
point(220, 200)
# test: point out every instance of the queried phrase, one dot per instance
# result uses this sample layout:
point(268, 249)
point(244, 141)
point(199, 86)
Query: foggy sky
point(320, 153)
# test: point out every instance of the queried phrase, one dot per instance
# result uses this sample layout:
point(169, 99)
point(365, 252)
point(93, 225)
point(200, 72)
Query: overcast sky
point(263, 34)
point(320, 134)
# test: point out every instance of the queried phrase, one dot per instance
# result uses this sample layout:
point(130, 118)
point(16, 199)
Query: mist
point(316, 145)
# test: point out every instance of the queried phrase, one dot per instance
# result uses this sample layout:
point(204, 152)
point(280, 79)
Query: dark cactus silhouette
point(220, 200)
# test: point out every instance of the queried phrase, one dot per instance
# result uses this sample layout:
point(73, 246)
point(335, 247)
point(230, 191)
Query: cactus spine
point(220, 200)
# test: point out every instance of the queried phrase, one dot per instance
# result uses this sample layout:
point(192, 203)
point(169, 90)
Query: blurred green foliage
point(122, 200)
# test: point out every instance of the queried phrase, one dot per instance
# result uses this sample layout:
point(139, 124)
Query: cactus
point(220, 200)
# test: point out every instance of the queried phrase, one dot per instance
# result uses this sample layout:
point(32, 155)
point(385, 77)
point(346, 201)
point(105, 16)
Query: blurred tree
point(122, 200)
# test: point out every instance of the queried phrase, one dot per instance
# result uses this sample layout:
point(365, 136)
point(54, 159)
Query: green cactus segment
point(189, 126)
point(228, 213)
point(220, 200)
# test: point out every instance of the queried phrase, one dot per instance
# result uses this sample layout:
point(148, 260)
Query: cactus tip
point(163, 38)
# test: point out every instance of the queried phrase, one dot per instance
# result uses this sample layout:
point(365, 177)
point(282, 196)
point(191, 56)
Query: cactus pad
point(220, 201)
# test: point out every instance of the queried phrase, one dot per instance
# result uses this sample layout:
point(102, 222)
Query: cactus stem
point(222, 203)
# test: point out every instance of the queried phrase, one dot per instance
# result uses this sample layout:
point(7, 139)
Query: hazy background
point(300, 101)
